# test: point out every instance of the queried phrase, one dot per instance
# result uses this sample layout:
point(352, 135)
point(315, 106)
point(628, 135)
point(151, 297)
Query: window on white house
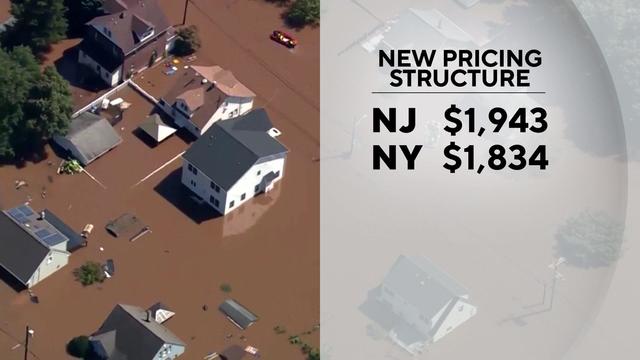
point(217, 188)
point(231, 204)
point(193, 183)
point(243, 196)
point(257, 188)
point(212, 199)
point(216, 203)
point(259, 172)
point(190, 167)
point(212, 185)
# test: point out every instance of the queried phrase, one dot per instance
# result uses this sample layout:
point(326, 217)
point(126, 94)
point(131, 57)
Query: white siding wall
point(248, 182)
point(200, 184)
point(232, 107)
point(461, 312)
point(111, 78)
point(54, 261)
point(172, 352)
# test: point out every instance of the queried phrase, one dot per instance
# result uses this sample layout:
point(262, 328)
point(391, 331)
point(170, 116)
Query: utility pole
point(184, 17)
point(556, 276)
point(28, 333)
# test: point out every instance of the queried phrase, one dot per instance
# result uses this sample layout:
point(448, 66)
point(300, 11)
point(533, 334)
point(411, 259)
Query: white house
point(428, 302)
point(33, 245)
point(234, 161)
point(204, 95)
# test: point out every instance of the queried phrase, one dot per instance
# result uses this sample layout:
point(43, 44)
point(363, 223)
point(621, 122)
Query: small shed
point(160, 312)
point(156, 128)
point(127, 225)
point(89, 137)
point(238, 314)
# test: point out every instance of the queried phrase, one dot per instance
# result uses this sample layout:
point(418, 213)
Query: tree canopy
point(304, 12)
point(34, 105)
point(38, 24)
point(188, 41)
point(79, 12)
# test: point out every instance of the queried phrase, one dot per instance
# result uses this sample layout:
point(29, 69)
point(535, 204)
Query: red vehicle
point(284, 39)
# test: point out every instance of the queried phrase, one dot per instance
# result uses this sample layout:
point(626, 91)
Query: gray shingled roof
point(20, 253)
point(22, 248)
point(238, 313)
point(75, 240)
point(231, 147)
point(126, 334)
point(420, 283)
point(92, 135)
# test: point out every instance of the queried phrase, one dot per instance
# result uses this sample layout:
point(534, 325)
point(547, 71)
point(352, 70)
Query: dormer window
point(147, 34)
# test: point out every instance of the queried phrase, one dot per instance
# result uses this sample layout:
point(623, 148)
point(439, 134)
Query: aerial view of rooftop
point(159, 179)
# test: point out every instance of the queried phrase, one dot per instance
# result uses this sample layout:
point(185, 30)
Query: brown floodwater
point(268, 250)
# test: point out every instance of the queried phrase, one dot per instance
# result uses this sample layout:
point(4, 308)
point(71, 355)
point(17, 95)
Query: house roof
point(161, 312)
point(129, 19)
point(238, 313)
point(75, 240)
point(231, 147)
point(92, 136)
point(204, 89)
point(156, 128)
point(126, 334)
point(421, 284)
point(224, 80)
point(26, 240)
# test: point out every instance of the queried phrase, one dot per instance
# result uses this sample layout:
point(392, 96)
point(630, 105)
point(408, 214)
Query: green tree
point(89, 273)
point(188, 41)
point(15, 86)
point(79, 347)
point(49, 108)
point(39, 23)
point(314, 354)
point(304, 12)
point(79, 12)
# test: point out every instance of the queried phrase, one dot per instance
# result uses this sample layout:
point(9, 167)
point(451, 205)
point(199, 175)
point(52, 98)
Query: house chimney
point(42, 214)
point(148, 316)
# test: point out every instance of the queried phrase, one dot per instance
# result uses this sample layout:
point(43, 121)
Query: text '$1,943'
point(514, 157)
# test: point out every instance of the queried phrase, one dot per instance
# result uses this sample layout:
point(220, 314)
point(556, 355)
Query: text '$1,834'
point(514, 157)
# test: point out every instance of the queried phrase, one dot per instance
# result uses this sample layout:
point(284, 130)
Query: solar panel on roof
point(43, 233)
point(15, 212)
point(54, 239)
point(17, 215)
point(25, 210)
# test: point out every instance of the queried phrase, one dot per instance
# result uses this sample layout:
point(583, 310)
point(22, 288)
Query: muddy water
point(268, 251)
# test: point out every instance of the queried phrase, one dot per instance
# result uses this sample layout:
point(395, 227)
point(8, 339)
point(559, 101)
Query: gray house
point(34, 245)
point(427, 302)
point(130, 332)
point(89, 137)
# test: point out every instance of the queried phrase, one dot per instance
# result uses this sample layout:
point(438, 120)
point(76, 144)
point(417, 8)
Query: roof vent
point(204, 81)
point(273, 132)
